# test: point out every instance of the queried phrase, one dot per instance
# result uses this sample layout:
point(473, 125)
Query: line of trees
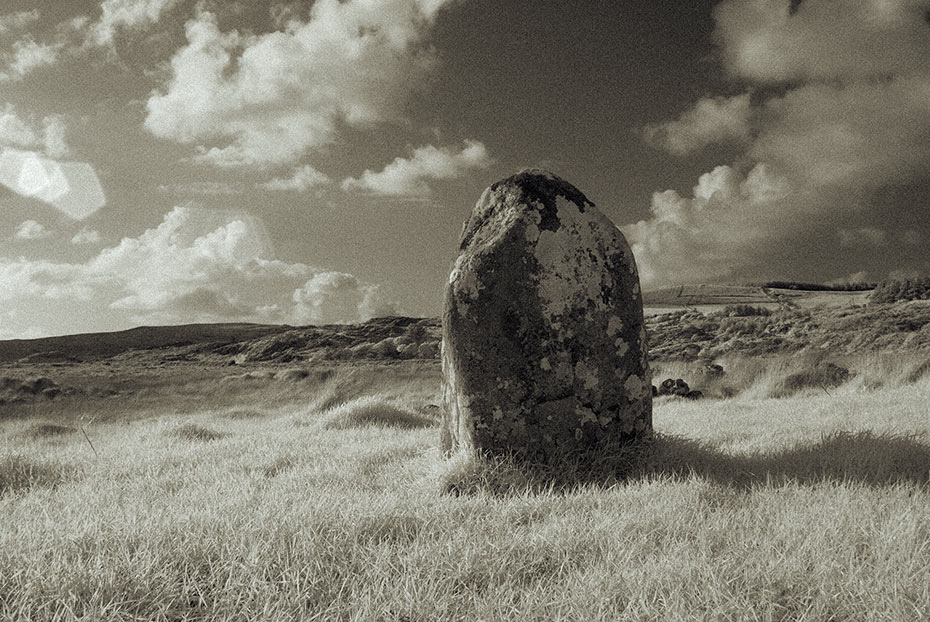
point(896, 290)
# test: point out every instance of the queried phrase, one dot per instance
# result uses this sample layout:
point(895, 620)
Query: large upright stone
point(543, 345)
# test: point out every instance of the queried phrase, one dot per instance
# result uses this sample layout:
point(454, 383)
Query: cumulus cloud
point(31, 230)
point(25, 54)
point(86, 236)
point(29, 55)
point(850, 116)
point(76, 36)
point(18, 21)
point(24, 133)
point(198, 265)
point(409, 176)
point(712, 120)
point(303, 179)
point(14, 131)
point(865, 134)
point(45, 280)
point(695, 238)
point(116, 15)
point(53, 136)
point(823, 40)
point(268, 99)
point(337, 294)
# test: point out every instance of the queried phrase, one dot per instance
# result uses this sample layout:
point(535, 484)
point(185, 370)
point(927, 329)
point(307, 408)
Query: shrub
point(920, 371)
point(824, 376)
point(898, 290)
point(744, 310)
point(292, 375)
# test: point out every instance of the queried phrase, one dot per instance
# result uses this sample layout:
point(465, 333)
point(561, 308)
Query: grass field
point(332, 505)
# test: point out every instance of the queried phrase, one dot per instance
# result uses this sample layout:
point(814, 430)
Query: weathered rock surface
point(543, 349)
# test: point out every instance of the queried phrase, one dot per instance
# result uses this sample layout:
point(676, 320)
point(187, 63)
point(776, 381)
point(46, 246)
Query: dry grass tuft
point(19, 473)
point(194, 432)
point(280, 465)
point(244, 413)
point(467, 474)
point(46, 430)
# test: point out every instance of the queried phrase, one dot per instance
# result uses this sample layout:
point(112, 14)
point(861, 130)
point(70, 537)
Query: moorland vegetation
point(219, 480)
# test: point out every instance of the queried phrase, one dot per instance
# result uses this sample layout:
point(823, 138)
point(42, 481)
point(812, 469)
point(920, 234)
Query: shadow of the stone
point(861, 457)
point(866, 458)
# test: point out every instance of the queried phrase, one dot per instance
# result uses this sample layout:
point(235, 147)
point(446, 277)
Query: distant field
point(321, 498)
point(709, 298)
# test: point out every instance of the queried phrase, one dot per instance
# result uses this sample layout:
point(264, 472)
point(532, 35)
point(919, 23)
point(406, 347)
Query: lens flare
point(71, 187)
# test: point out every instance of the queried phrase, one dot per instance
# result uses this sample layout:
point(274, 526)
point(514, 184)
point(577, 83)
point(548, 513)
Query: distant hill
point(704, 321)
point(389, 337)
point(94, 346)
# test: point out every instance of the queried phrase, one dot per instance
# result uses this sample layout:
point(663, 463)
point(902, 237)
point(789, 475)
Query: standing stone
point(543, 343)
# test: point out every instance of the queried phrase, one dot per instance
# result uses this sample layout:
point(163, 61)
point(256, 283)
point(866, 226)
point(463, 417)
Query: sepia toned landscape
point(270, 473)
point(464, 310)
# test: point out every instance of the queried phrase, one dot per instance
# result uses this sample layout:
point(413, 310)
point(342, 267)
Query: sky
point(311, 162)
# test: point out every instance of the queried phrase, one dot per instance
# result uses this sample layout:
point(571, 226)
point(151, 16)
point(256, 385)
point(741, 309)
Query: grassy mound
point(373, 411)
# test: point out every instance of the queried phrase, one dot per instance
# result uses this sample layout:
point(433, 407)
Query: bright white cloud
point(409, 176)
point(268, 99)
point(852, 117)
point(712, 120)
point(117, 15)
point(303, 179)
point(337, 294)
point(197, 265)
point(86, 236)
point(724, 224)
point(29, 55)
point(31, 230)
